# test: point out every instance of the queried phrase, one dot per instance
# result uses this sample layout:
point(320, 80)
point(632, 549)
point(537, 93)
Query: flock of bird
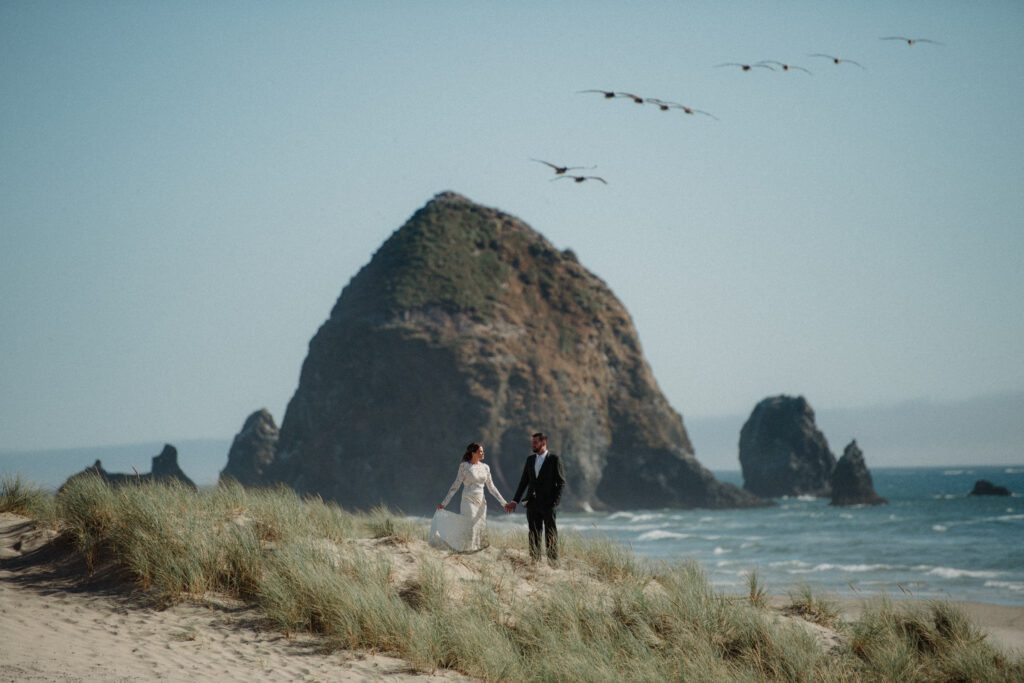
point(562, 172)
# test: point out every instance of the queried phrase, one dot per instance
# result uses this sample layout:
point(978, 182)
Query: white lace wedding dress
point(465, 532)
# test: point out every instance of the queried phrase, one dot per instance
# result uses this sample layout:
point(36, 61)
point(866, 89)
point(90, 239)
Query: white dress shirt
point(539, 462)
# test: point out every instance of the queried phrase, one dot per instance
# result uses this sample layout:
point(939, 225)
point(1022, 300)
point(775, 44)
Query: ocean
point(931, 541)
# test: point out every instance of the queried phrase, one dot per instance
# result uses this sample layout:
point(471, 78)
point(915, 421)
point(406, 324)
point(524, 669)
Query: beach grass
point(20, 497)
point(368, 581)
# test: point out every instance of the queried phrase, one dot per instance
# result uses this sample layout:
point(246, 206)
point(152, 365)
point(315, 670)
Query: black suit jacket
point(542, 491)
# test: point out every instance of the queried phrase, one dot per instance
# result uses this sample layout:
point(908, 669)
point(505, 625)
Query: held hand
point(510, 507)
point(440, 506)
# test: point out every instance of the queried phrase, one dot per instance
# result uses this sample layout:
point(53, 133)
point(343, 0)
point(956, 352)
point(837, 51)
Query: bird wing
point(853, 62)
point(706, 113)
point(895, 38)
point(592, 90)
point(791, 66)
point(546, 163)
point(729, 64)
point(821, 54)
point(594, 177)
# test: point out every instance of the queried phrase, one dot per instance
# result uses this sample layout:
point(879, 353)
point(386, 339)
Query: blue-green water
point(932, 540)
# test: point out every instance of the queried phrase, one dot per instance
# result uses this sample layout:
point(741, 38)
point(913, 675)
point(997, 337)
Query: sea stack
point(164, 469)
point(851, 480)
point(468, 325)
point(252, 450)
point(983, 487)
point(782, 451)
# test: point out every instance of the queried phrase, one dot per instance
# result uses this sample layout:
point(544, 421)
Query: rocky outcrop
point(782, 452)
point(984, 487)
point(252, 451)
point(164, 469)
point(851, 480)
point(468, 325)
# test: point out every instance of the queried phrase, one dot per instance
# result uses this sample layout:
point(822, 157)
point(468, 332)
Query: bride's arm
point(455, 486)
point(494, 489)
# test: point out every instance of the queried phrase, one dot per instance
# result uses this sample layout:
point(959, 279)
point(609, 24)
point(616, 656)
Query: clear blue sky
point(186, 187)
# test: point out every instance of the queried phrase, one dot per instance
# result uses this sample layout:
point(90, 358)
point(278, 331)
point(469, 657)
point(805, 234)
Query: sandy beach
point(55, 627)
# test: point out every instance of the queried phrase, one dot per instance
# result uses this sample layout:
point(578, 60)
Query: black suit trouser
point(542, 521)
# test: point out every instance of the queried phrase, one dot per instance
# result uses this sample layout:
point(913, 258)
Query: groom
point(542, 481)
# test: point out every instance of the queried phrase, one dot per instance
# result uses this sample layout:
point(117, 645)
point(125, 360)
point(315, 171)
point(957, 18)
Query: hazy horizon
point(185, 190)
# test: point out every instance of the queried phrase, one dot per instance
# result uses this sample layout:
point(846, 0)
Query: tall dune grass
point(20, 497)
point(606, 616)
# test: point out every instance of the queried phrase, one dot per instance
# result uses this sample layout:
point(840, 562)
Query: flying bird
point(581, 178)
point(665, 106)
point(785, 67)
point(608, 94)
point(838, 60)
point(746, 67)
point(635, 98)
point(561, 170)
point(911, 41)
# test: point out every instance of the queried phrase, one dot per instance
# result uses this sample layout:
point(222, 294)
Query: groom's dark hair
point(541, 435)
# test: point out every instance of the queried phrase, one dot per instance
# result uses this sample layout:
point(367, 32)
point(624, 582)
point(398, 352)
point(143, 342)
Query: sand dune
point(53, 629)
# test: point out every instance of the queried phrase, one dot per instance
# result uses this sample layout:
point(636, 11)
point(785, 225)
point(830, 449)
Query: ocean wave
point(939, 528)
point(635, 517)
point(945, 496)
point(953, 473)
point(1008, 518)
point(719, 550)
point(1016, 586)
point(660, 535)
point(845, 515)
point(1013, 470)
point(953, 573)
point(849, 568)
point(789, 563)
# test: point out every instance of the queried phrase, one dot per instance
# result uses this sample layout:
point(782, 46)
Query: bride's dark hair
point(470, 450)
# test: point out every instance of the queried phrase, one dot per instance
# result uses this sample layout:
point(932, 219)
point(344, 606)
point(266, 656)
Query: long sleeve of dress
point(459, 476)
point(494, 489)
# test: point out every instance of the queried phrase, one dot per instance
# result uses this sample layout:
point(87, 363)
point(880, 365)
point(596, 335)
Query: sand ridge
point(53, 630)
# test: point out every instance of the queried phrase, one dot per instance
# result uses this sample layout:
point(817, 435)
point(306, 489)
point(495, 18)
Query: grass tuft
point(20, 497)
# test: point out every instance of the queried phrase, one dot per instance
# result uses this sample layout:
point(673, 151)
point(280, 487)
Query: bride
point(466, 532)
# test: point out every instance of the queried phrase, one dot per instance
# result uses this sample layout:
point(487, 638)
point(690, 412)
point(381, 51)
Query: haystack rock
point(782, 451)
point(468, 325)
point(851, 480)
point(252, 451)
point(983, 487)
point(164, 469)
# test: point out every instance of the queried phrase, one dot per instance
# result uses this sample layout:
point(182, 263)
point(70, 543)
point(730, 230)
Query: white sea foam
point(719, 550)
point(953, 573)
point(1009, 518)
point(789, 563)
point(660, 535)
point(1013, 470)
point(707, 519)
point(939, 528)
point(1016, 586)
point(953, 473)
point(845, 515)
point(850, 568)
point(635, 517)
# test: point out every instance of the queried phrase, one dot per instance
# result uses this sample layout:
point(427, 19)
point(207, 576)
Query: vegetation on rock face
point(369, 581)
